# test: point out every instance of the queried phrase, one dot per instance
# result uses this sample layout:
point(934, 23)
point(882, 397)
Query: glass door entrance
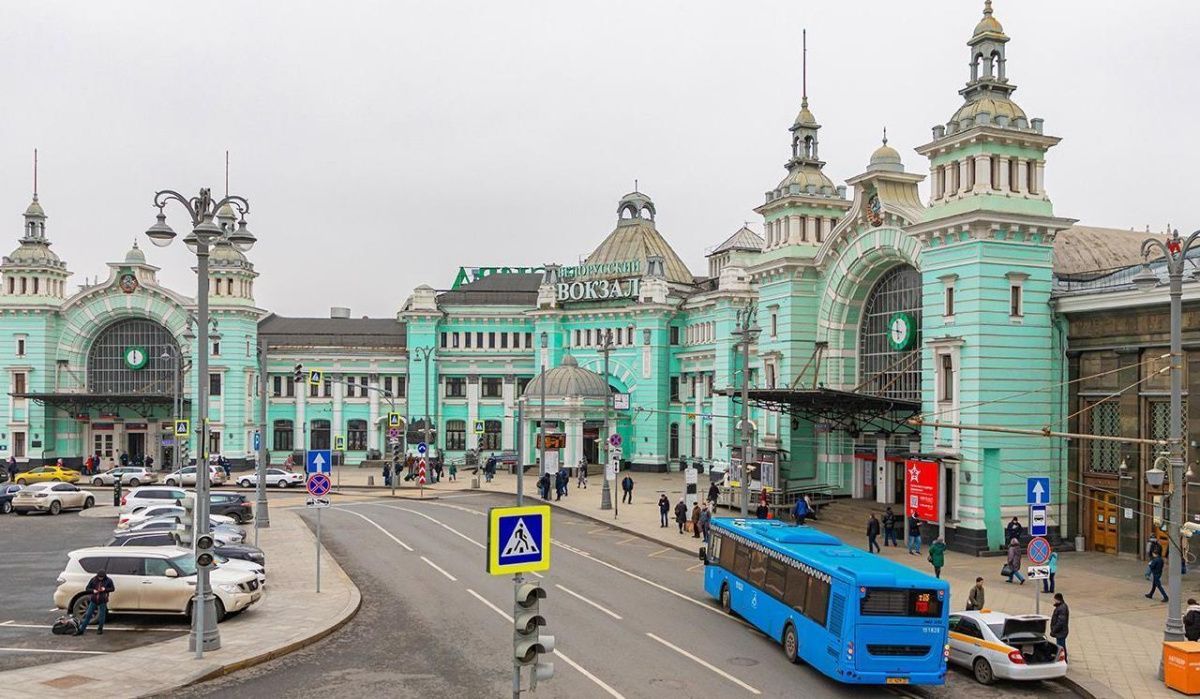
point(135, 446)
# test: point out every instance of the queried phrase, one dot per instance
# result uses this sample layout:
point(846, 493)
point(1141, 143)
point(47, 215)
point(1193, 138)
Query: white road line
point(494, 608)
point(599, 682)
point(431, 519)
point(41, 650)
point(439, 569)
point(372, 522)
point(705, 663)
point(585, 600)
point(635, 576)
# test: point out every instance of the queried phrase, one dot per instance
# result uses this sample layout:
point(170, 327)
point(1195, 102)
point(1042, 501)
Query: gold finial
point(885, 135)
point(987, 8)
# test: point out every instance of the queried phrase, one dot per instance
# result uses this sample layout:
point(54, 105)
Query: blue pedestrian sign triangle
point(1037, 491)
point(318, 461)
point(520, 543)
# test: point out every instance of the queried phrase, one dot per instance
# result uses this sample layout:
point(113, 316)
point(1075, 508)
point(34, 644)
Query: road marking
point(628, 539)
point(178, 629)
point(431, 519)
point(698, 565)
point(705, 663)
point(439, 569)
point(373, 523)
point(658, 553)
point(493, 607)
point(585, 600)
point(599, 682)
point(40, 650)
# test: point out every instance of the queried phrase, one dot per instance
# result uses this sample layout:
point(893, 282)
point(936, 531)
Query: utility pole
point(262, 517)
point(542, 400)
point(606, 490)
point(746, 331)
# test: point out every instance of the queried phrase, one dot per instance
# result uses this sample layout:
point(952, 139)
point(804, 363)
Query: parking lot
point(33, 551)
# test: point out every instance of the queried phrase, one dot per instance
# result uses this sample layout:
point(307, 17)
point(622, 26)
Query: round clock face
point(136, 357)
point(901, 331)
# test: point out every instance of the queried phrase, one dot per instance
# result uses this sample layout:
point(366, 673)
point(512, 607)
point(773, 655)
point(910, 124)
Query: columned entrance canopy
point(575, 404)
point(147, 405)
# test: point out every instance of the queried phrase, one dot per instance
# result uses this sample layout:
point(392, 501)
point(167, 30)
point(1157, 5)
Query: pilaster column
point(299, 428)
point(573, 429)
point(1022, 175)
point(508, 392)
point(827, 223)
point(1039, 174)
point(961, 182)
point(983, 174)
point(936, 184)
point(472, 411)
point(1005, 172)
point(372, 413)
point(810, 229)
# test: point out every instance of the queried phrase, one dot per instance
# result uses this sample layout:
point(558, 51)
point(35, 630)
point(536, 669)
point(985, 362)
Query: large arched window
point(889, 338)
point(456, 435)
point(356, 435)
point(134, 356)
point(283, 436)
point(490, 441)
point(318, 435)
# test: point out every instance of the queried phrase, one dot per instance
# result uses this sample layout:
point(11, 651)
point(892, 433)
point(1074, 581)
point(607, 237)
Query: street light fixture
point(1174, 251)
point(201, 209)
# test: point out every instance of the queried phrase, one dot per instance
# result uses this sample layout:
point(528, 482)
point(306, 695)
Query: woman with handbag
point(1013, 565)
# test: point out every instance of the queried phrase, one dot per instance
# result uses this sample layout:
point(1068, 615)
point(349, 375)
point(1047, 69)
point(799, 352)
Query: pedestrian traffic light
point(299, 374)
point(204, 553)
point(185, 531)
point(528, 641)
point(397, 452)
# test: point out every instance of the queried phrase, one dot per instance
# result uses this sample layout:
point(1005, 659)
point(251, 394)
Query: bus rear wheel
point(791, 644)
point(726, 603)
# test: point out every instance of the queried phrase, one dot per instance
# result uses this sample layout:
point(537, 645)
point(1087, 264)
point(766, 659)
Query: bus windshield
point(882, 601)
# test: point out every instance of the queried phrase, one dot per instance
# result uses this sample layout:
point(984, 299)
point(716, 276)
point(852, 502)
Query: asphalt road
point(629, 615)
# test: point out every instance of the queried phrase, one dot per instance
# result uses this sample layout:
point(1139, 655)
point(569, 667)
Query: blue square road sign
point(1037, 491)
point(318, 461)
point(518, 539)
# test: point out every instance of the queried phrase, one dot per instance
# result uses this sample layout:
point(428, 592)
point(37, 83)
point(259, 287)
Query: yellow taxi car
point(994, 645)
point(43, 474)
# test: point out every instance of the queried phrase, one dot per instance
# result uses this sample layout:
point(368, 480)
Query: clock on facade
point(901, 331)
point(136, 357)
point(128, 283)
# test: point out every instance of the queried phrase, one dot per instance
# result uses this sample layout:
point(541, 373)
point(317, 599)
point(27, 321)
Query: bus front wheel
point(791, 644)
point(726, 603)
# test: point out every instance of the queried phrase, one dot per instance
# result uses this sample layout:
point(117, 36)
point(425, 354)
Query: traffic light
point(185, 524)
point(528, 641)
point(397, 452)
point(204, 552)
point(299, 374)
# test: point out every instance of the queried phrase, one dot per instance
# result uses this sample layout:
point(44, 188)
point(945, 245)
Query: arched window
point(282, 436)
point(456, 435)
point(318, 434)
point(127, 358)
point(673, 441)
point(356, 435)
point(490, 440)
point(889, 347)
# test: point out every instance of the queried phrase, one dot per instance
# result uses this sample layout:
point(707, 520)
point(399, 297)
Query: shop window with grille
point(456, 435)
point(1104, 456)
point(356, 435)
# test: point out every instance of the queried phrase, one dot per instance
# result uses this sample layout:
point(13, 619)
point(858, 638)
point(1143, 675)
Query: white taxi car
point(277, 477)
point(994, 645)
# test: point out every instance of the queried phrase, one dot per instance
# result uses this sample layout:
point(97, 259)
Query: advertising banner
point(921, 485)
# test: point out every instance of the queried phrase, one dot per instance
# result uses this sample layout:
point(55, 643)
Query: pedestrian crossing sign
point(182, 428)
point(518, 539)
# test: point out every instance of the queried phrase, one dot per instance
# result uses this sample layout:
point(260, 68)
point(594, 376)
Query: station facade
point(867, 288)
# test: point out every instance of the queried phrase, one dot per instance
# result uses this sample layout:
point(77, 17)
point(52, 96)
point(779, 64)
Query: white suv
point(151, 580)
point(187, 476)
point(148, 495)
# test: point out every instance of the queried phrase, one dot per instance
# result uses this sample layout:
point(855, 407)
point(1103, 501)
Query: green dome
point(135, 256)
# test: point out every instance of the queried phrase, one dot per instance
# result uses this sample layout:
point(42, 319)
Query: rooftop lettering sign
point(620, 268)
point(467, 275)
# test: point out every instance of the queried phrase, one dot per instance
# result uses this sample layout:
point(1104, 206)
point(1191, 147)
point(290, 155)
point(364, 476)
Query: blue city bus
point(857, 617)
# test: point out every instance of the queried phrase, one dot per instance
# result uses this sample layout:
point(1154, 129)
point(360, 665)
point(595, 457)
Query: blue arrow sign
point(422, 448)
point(257, 441)
point(318, 461)
point(1037, 491)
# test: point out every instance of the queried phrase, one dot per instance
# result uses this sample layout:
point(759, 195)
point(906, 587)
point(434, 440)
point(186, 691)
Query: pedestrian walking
point(1156, 571)
point(149, 463)
point(581, 481)
point(1191, 621)
point(225, 466)
point(124, 459)
point(98, 590)
point(1153, 548)
point(937, 556)
point(914, 536)
point(1014, 561)
point(1013, 530)
point(453, 470)
point(1052, 564)
point(761, 511)
point(889, 528)
point(873, 534)
point(627, 490)
point(489, 468)
point(812, 511)
point(1060, 622)
point(705, 521)
point(543, 484)
point(387, 473)
point(664, 509)
point(681, 514)
point(975, 599)
point(12, 468)
point(714, 492)
point(696, 521)
point(800, 511)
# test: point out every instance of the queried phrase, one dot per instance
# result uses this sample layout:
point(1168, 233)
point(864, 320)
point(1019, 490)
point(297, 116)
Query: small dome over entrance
point(568, 380)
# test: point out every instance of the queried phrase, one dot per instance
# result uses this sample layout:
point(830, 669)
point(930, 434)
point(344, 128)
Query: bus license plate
point(897, 680)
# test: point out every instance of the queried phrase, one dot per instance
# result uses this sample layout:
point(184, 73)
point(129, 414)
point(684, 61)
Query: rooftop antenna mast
point(226, 172)
point(35, 174)
point(804, 64)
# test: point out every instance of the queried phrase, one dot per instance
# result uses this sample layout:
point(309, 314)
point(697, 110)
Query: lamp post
point(606, 345)
point(1174, 251)
point(545, 342)
point(201, 209)
point(425, 354)
point(746, 331)
point(262, 516)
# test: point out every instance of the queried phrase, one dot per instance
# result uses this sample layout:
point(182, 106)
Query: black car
point(235, 505)
point(6, 496)
point(244, 552)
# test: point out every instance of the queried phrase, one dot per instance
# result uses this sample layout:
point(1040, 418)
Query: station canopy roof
point(845, 410)
point(147, 405)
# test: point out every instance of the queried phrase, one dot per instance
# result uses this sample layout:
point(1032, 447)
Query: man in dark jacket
point(627, 490)
point(713, 493)
point(664, 509)
point(681, 514)
point(1013, 530)
point(889, 528)
point(873, 534)
point(1156, 571)
point(98, 589)
point(1191, 621)
point(1060, 622)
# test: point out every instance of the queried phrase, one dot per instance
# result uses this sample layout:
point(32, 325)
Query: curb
point(1086, 687)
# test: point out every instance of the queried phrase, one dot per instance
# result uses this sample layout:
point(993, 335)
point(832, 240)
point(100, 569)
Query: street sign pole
point(319, 549)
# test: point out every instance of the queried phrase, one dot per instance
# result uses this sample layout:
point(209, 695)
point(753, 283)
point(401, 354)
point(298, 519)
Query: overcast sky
point(383, 144)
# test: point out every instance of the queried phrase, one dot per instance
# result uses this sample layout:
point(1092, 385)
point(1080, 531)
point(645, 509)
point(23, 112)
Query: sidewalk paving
point(290, 615)
point(1116, 633)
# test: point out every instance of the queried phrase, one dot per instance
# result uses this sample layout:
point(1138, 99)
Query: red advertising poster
point(921, 489)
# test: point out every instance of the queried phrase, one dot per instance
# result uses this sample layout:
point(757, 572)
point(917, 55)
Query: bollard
point(370, 480)
point(117, 491)
point(475, 482)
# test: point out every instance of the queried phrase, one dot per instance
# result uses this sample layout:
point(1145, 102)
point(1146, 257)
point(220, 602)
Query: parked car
point(7, 492)
point(997, 645)
point(142, 514)
point(187, 476)
point(244, 552)
point(151, 580)
point(43, 474)
point(147, 495)
point(231, 504)
point(132, 476)
point(274, 476)
point(221, 533)
point(52, 498)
